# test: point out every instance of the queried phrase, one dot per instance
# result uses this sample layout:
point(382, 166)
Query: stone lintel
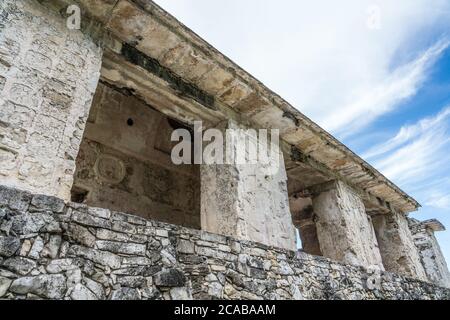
point(434, 225)
point(372, 204)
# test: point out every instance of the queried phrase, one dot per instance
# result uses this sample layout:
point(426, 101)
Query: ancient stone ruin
point(93, 207)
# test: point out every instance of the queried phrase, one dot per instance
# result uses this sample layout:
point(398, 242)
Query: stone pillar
point(344, 230)
point(246, 201)
point(304, 219)
point(433, 260)
point(48, 75)
point(397, 248)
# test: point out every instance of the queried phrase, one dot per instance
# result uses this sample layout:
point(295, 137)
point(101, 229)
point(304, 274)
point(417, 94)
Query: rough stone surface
point(126, 294)
point(80, 292)
point(397, 246)
point(170, 278)
point(247, 201)
point(344, 230)
point(48, 77)
point(220, 267)
point(8, 246)
point(45, 286)
point(430, 252)
point(4, 285)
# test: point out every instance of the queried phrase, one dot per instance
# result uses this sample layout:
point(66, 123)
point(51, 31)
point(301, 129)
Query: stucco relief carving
point(109, 169)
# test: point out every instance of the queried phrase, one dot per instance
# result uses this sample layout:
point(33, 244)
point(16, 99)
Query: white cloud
point(385, 95)
point(440, 200)
point(321, 56)
point(418, 159)
point(407, 133)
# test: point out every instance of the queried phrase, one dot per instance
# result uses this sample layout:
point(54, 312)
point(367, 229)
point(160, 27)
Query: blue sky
point(376, 74)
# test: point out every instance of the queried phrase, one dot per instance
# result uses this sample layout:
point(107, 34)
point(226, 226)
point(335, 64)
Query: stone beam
point(373, 204)
point(156, 92)
point(433, 225)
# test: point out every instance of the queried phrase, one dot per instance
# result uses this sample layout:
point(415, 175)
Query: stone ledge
point(76, 252)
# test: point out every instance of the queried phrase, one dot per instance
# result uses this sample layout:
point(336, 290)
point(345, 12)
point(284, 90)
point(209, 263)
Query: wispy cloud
point(408, 133)
point(418, 158)
point(371, 103)
point(439, 200)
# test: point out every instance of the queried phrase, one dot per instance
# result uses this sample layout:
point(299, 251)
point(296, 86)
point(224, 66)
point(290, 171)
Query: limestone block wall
point(430, 252)
point(124, 162)
point(50, 250)
point(48, 75)
point(344, 229)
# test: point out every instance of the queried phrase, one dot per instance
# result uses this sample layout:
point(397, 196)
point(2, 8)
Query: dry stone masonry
point(55, 251)
point(86, 117)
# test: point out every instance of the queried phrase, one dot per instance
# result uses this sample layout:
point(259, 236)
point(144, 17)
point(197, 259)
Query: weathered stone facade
point(53, 251)
point(344, 230)
point(49, 74)
point(397, 246)
point(245, 201)
point(430, 252)
point(87, 114)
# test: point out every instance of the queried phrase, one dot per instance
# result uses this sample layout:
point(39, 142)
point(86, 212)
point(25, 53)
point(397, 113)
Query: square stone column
point(48, 75)
point(247, 201)
point(344, 230)
point(433, 260)
point(304, 220)
point(397, 248)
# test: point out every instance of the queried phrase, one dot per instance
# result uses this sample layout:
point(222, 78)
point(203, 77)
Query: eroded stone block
point(170, 278)
point(397, 247)
point(46, 286)
point(344, 229)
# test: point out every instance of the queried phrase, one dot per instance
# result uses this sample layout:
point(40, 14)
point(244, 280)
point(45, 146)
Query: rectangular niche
point(124, 162)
